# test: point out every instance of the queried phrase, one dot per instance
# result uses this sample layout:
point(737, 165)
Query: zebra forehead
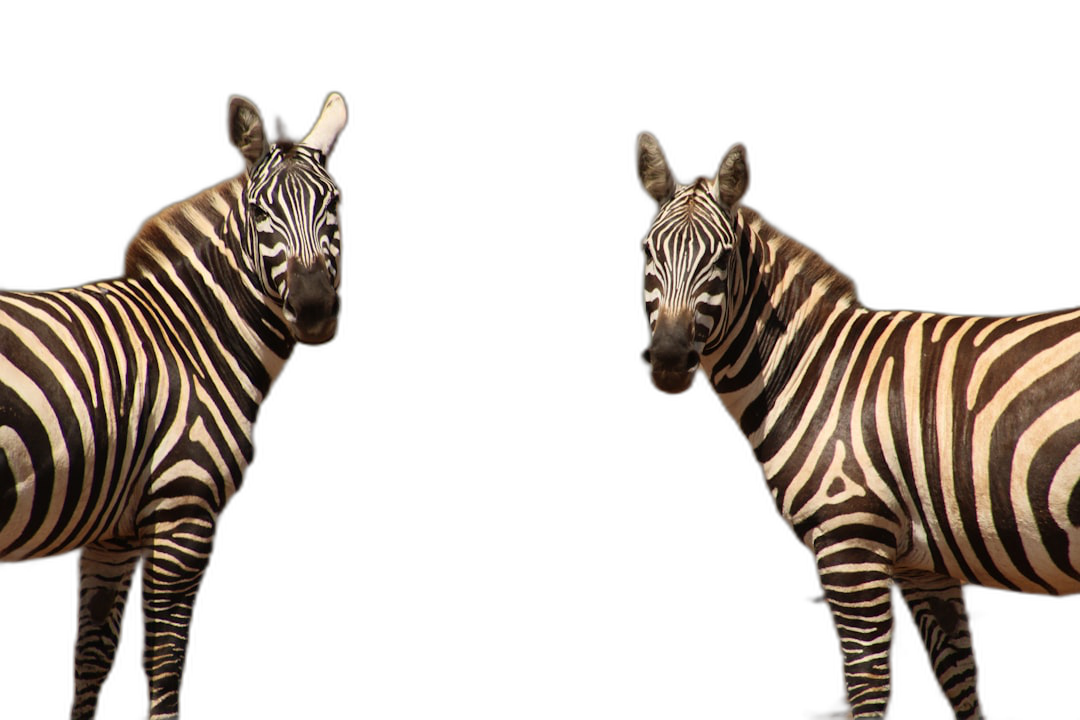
point(298, 166)
point(285, 153)
point(693, 215)
point(697, 199)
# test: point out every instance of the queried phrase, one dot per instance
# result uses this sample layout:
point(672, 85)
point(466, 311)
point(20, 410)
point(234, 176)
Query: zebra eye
point(258, 214)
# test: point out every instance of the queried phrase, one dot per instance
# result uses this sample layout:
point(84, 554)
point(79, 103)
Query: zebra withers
point(127, 406)
point(919, 449)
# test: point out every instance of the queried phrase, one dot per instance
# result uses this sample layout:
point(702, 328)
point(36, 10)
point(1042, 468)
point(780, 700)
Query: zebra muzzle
point(311, 302)
point(673, 358)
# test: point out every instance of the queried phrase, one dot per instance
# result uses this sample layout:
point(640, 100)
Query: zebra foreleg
point(171, 575)
point(105, 571)
point(857, 580)
point(937, 606)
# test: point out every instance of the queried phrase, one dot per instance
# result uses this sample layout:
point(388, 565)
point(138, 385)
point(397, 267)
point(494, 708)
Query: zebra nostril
point(691, 359)
point(646, 356)
point(335, 306)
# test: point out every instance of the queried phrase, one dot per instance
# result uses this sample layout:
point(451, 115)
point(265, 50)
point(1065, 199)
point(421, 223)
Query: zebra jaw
point(672, 354)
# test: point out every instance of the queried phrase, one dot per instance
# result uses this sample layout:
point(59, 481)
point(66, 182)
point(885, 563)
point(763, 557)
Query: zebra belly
point(61, 484)
point(1007, 512)
point(74, 412)
point(61, 488)
point(981, 430)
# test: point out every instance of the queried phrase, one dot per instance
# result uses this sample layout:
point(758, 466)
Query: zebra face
point(292, 221)
point(291, 227)
point(687, 255)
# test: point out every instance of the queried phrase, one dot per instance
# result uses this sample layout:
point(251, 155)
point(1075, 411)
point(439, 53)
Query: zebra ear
point(733, 177)
point(653, 169)
point(325, 130)
point(246, 129)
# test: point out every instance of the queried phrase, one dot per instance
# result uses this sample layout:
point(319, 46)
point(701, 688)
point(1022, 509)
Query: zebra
point(909, 448)
point(127, 406)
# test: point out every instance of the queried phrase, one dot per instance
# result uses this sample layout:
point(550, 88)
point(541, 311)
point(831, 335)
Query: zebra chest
point(203, 448)
point(821, 482)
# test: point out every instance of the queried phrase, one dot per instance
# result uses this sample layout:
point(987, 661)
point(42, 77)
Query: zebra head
point(291, 237)
point(687, 256)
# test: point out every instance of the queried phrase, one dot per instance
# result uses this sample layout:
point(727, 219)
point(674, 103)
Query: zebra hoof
point(838, 715)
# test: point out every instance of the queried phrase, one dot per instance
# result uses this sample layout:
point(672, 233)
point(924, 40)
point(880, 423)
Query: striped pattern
point(918, 449)
point(127, 406)
point(685, 256)
point(299, 189)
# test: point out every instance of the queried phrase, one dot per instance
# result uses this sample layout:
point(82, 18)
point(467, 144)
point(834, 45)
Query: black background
point(473, 500)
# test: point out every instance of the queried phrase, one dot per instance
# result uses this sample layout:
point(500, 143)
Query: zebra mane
point(785, 250)
point(282, 138)
point(178, 228)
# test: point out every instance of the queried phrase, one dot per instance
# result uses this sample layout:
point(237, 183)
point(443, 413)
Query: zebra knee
point(101, 604)
point(946, 614)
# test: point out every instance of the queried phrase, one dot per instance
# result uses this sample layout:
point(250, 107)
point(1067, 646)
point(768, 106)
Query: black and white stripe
point(127, 406)
point(918, 449)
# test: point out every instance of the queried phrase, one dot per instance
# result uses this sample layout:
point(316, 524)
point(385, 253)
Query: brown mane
point(814, 270)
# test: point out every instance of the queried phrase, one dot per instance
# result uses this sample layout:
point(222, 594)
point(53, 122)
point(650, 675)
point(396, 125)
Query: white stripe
point(1024, 478)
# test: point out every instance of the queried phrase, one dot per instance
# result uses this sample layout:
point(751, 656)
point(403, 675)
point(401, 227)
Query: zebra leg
point(857, 581)
point(172, 572)
point(105, 571)
point(937, 606)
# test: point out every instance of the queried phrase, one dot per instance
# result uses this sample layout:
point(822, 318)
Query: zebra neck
point(783, 298)
point(195, 249)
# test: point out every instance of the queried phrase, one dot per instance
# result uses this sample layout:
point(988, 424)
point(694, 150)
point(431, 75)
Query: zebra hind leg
point(105, 571)
point(937, 605)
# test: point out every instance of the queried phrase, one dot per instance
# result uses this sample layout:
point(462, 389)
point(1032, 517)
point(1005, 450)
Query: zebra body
point(919, 449)
point(127, 406)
